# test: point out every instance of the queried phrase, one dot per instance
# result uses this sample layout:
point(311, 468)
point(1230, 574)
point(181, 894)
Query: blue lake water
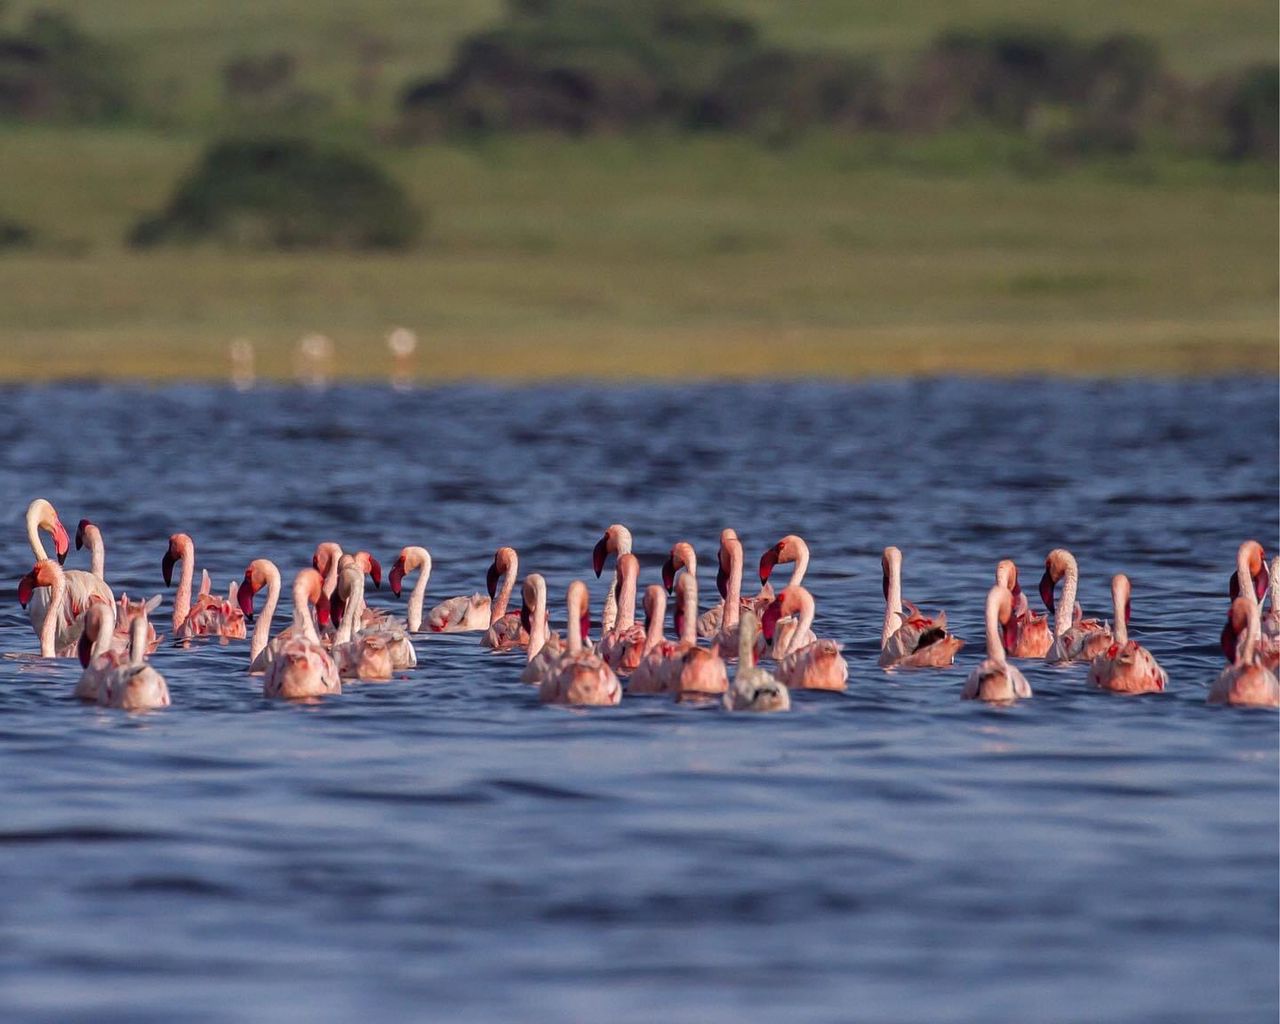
point(442, 847)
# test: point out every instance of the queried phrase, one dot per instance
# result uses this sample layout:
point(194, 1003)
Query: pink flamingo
point(545, 649)
point(97, 650)
point(584, 677)
point(711, 623)
point(59, 632)
point(369, 653)
point(82, 587)
point(911, 640)
point(681, 668)
point(616, 541)
point(817, 665)
point(327, 560)
point(1251, 564)
point(1075, 637)
point(134, 685)
point(1027, 633)
point(1126, 666)
point(130, 610)
point(731, 567)
point(308, 590)
point(300, 667)
point(88, 535)
point(791, 549)
point(210, 616)
point(624, 645)
point(1271, 624)
point(649, 676)
point(412, 559)
point(459, 615)
point(995, 680)
point(504, 630)
point(1246, 682)
point(754, 688)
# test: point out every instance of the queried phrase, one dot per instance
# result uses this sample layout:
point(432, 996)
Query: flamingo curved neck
point(892, 603)
point(657, 621)
point(1064, 610)
point(995, 646)
point(746, 640)
point(303, 625)
point(106, 632)
point(802, 564)
point(52, 616)
point(732, 588)
point(138, 640)
point(499, 606)
point(626, 602)
point(262, 631)
point(97, 556)
point(353, 612)
point(418, 596)
point(1252, 634)
point(689, 611)
point(538, 621)
point(33, 534)
point(803, 626)
point(182, 599)
point(1244, 578)
point(574, 628)
point(1119, 628)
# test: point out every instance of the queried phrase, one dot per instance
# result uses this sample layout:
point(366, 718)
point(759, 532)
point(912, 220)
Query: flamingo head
point(890, 562)
point(1007, 577)
point(256, 576)
point(178, 543)
point(768, 560)
point(46, 518)
point(616, 540)
point(396, 578)
point(371, 567)
point(681, 557)
point(83, 532)
point(326, 556)
point(504, 561)
point(1252, 552)
point(43, 574)
point(786, 603)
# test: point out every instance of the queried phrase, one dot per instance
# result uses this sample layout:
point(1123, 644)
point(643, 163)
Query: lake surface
point(441, 847)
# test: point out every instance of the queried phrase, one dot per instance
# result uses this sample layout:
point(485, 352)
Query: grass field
point(659, 257)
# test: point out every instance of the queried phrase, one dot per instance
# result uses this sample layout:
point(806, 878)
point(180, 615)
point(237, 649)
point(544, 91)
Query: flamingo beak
point(669, 573)
point(244, 595)
point(1046, 590)
point(166, 567)
point(722, 583)
point(1009, 633)
point(80, 533)
point(61, 542)
point(1228, 640)
point(767, 561)
point(491, 580)
point(375, 572)
point(526, 618)
point(679, 619)
point(336, 607)
point(769, 620)
point(83, 650)
point(585, 625)
point(598, 554)
point(322, 611)
point(1128, 612)
point(397, 576)
point(1262, 581)
point(884, 583)
point(26, 587)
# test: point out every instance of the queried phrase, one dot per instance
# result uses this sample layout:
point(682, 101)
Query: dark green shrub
point(286, 194)
point(1250, 114)
point(50, 70)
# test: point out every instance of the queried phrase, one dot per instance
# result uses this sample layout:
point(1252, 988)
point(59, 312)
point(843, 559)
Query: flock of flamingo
point(334, 636)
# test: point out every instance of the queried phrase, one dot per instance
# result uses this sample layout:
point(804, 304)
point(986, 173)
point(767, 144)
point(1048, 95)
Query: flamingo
point(504, 630)
point(134, 685)
point(59, 633)
point(88, 535)
point(624, 645)
point(82, 587)
point(792, 548)
point(97, 650)
point(300, 668)
point(817, 665)
point(995, 680)
point(1027, 634)
point(731, 568)
point(411, 559)
point(545, 648)
point(1075, 637)
point(584, 677)
point(308, 589)
point(911, 640)
point(327, 560)
point(372, 653)
point(616, 541)
point(754, 688)
point(130, 610)
point(1126, 666)
point(649, 675)
point(1251, 564)
point(711, 621)
point(1246, 682)
point(209, 616)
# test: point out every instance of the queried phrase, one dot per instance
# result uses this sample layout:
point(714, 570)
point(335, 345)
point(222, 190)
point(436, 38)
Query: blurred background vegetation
point(656, 187)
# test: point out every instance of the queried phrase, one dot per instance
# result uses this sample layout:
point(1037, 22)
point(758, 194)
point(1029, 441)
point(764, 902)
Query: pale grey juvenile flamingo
point(1026, 634)
point(97, 650)
point(1075, 638)
point(1125, 666)
point(1246, 682)
point(134, 685)
point(995, 680)
point(754, 688)
point(584, 678)
point(817, 665)
point(616, 541)
point(545, 649)
point(911, 639)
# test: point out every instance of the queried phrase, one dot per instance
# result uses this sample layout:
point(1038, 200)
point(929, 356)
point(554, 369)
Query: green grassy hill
point(662, 256)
